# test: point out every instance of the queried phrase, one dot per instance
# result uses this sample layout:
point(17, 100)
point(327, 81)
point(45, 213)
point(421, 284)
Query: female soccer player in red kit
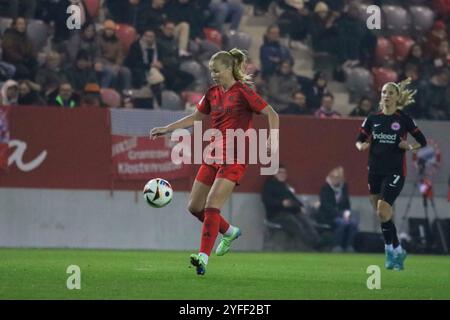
point(230, 104)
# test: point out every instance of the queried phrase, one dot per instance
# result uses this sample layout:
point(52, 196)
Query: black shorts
point(387, 186)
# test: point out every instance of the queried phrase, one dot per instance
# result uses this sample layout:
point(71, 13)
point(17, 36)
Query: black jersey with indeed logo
point(385, 132)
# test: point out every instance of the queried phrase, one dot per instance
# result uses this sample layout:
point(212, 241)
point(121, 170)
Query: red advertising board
point(74, 149)
point(4, 137)
point(140, 158)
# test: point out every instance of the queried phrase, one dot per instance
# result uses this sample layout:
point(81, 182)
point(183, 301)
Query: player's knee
point(194, 208)
point(384, 211)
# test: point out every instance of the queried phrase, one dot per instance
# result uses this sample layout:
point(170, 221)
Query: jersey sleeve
point(203, 105)
point(254, 100)
point(414, 130)
point(365, 131)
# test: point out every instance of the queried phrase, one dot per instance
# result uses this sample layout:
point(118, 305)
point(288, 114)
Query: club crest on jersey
point(395, 126)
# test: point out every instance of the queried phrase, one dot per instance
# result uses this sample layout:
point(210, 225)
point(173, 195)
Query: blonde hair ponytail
point(239, 64)
point(405, 96)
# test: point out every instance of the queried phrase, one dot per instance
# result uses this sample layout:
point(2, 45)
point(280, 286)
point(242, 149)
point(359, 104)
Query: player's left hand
point(271, 149)
point(404, 145)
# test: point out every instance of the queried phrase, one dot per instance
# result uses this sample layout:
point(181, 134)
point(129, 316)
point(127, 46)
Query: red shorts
point(209, 172)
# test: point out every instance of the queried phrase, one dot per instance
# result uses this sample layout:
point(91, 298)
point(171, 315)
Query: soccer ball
point(158, 193)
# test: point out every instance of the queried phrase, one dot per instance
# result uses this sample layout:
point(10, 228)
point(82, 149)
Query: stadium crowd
point(154, 53)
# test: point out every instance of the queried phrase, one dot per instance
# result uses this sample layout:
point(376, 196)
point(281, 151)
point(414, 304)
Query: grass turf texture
point(108, 274)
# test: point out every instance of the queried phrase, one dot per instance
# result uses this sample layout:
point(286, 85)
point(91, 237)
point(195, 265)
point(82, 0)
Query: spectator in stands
point(56, 13)
point(324, 32)
point(298, 106)
point(111, 53)
point(363, 109)
point(415, 57)
point(29, 94)
point(82, 72)
point(65, 97)
point(335, 211)
point(49, 76)
point(155, 14)
point(272, 52)
point(435, 36)
point(283, 207)
point(24, 8)
point(142, 58)
point(92, 96)
point(189, 21)
point(7, 70)
point(223, 11)
point(441, 58)
point(436, 95)
point(295, 21)
point(316, 91)
point(131, 12)
point(88, 41)
point(351, 31)
point(282, 85)
point(18, 50)
point(10, 93)
point(326, 110)
point(175, 79)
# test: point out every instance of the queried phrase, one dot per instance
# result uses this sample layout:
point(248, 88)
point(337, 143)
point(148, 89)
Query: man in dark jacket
point(272, 52)
point(283, 207)
point(176, 79)
point(335, 211)
point(18, 50)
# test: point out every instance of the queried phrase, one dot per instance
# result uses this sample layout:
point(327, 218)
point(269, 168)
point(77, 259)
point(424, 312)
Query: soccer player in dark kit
point(385, 133)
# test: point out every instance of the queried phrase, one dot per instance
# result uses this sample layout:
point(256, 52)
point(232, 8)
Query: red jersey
point(231, 109)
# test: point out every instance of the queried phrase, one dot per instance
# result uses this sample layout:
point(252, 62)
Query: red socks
point(210, 229)
point(223, 226)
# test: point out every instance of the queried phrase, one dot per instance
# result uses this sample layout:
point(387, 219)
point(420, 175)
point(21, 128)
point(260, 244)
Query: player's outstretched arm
point(183, 123)
point(274, 125)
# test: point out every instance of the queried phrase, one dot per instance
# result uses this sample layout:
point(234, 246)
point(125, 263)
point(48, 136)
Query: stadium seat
point(359, 81)
point(195, 69)
point(92, 7)
point(127, 35)
point(171, 101)
point(402, 47)
point(397, 20)
point(422, 19)
point(239, 40)
point(442, 7)
point(381, 76)
point(111, 97)
point(5, 23)
point(38, 32)
point(384, 50)
point(214, 36)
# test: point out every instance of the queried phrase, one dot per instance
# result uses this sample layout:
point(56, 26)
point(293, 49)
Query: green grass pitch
point(110, 274)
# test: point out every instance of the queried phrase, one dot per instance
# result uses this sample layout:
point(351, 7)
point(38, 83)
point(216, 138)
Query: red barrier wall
point(78, 152)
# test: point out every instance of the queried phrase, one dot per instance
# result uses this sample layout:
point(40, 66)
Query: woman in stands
point(230, 104)
point(385, 133)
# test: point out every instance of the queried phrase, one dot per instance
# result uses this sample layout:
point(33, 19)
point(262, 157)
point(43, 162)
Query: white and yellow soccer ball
point(158, 193)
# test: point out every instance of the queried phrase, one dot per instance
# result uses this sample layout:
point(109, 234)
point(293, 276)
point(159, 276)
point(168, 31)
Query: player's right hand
point(157, 132)
point(361, 146)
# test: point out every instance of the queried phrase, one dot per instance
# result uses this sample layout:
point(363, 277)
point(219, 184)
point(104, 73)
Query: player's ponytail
point(239, 58)
point(405, 96)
